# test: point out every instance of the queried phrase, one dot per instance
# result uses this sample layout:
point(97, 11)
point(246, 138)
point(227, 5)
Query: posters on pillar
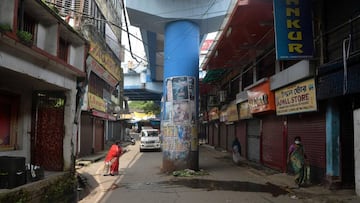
point(179, 117)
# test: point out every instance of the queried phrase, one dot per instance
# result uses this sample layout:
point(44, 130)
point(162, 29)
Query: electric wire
point(127, 31)
point(85, 15)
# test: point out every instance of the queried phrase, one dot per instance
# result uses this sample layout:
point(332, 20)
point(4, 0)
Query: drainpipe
point(346, 52)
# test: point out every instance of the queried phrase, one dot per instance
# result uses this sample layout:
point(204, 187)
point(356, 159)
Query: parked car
point(150, 140)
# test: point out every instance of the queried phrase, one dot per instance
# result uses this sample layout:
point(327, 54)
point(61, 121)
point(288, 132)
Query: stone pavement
point(98, 185)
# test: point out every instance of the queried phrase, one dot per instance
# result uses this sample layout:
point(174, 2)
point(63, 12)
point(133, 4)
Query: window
point(63, 49)
point(92, 10)
point(98, 86)
point(247, 78)
point(26, 22)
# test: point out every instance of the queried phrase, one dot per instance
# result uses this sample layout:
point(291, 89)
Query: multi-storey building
point(99, 21)
point(61, 86)
point(292, 70)
point(42, 60)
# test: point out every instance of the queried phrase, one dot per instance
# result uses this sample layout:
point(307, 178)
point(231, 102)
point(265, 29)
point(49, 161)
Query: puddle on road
point(227, 185)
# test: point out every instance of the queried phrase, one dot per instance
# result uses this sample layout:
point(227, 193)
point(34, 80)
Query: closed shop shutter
point(231, 136)
point(223, 136)
point(273, 142)
point(216, 134)
point(207, 133)
point(211, 134)
point(86, 135)
point(311, 127)
point(99, 135)
point(241, 134)
point(253, 139)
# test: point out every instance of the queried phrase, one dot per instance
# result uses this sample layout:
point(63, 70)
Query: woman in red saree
point(111, 166)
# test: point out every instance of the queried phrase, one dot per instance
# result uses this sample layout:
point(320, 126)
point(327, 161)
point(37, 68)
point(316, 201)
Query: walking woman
point(297, 158)
point(111, 165)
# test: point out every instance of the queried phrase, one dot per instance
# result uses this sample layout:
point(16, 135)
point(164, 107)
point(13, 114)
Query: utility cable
point(127, 31)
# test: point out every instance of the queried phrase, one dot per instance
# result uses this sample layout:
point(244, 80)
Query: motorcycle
point(131, 139)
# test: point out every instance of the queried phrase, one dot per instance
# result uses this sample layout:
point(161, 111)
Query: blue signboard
point(293, 29)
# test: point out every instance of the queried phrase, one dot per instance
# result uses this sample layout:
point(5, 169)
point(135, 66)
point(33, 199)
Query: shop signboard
point(96, 102)
point(296, 98)
point(261, 98)
point(293, 29)
point(214, 114)
point(101, 72)
point(223, 115)
point(244, 111)
point(232, 113)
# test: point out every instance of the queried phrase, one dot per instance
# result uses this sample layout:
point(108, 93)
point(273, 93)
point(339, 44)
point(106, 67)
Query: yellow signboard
point(232, 113)
point(297, 98)
point(105, 59)
point(244, 112)
point(96, 102)
point(214, 114)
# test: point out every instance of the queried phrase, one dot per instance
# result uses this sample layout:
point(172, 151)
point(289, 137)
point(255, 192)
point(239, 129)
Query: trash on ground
point(189, 172)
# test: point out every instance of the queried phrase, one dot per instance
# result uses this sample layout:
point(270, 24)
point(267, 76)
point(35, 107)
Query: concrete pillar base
point(333, 182)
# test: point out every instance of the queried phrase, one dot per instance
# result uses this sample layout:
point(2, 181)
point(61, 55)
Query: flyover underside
point(142, 95)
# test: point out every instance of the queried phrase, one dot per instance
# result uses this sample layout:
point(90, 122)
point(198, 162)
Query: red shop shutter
point(311, 127)
point(273, 152)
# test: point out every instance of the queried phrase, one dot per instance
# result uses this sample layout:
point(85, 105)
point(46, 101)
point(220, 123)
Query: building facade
point(101, 92)
point(42, 60)
point(295, 74)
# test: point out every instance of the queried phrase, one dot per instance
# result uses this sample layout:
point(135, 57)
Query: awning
point(213, 75)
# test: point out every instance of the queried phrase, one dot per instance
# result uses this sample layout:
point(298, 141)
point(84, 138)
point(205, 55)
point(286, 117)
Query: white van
point(150, 139)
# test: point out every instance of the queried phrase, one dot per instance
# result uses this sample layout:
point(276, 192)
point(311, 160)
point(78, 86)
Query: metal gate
point(253, 139)
point(230, 136)
point(48, 131)
point(223, 135)
point(216, 134)
point(99, 135)
point(211, 134)
point(86, 135)
point(241, 135)
point(311, 127)
point(273, 142)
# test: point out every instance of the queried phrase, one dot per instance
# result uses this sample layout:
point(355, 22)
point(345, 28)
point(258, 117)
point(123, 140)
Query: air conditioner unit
point(222, 96)
point(213, 101)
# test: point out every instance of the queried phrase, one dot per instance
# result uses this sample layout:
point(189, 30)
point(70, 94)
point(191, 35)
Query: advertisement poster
point(180, 88)
point(179, 116)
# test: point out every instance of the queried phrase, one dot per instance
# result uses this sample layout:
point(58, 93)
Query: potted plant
point(5, 28)
point(25, 37)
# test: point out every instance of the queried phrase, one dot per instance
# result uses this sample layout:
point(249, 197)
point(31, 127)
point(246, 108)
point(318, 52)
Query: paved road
point(140, 180)
point(143, 182)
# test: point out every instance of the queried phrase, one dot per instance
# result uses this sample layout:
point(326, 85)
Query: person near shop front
point(297, 160)
point(111, 163)
point(236, 151)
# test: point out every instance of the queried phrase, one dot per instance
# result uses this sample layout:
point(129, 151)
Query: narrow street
point(141, 180)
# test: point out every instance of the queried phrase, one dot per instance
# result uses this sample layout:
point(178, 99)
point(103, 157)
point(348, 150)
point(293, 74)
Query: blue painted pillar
point(332, 140)
point(151, 37)
point(180, 99)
